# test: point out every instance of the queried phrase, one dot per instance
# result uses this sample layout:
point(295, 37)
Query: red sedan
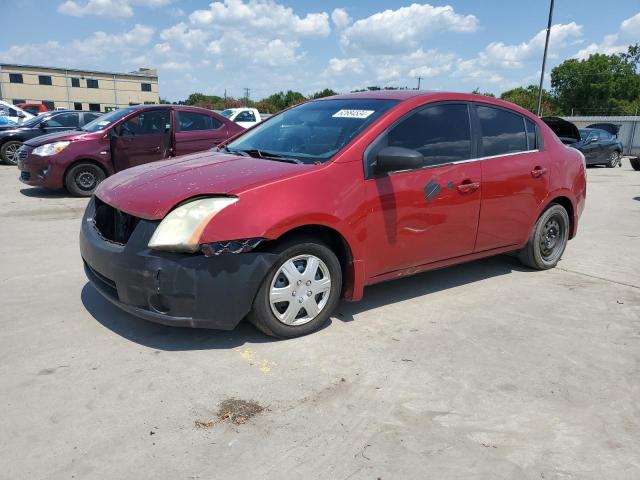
point(326, 198)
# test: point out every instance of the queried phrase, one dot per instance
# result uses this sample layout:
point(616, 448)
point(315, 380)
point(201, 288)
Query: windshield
point(103, 121)
point(226, 113)
point(312, 132)
point(33, 121)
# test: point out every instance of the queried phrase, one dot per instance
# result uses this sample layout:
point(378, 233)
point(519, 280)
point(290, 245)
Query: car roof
point(384, 95)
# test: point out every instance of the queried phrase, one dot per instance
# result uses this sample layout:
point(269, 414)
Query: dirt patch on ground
point(233, 410)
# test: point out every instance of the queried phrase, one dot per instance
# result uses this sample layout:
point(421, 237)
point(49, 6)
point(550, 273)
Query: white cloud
point(106, 8)
point(171, 65)
point(340, 66)
point(261, 16)
point(404, 29)
point(185, 37)
point(340, 18)
point(92, 52)
point(628, 33)
point(256, 50)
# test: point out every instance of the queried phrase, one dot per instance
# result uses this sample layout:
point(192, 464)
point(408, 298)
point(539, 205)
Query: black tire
point(262, 315)
point(635, 164)
point(614, 159)
point(548, 239)
point(83, 178)
point(9, 152)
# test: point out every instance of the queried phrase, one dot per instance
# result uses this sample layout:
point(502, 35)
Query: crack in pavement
point(598, 278)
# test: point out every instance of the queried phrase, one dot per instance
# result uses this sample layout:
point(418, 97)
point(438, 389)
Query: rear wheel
point(548, 239)
point(635, 163)
point(301, 290)
point(83, 178)
point(614, 159)
point(9, 152)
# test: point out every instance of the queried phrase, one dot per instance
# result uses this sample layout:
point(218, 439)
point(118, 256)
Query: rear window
point(503, 132)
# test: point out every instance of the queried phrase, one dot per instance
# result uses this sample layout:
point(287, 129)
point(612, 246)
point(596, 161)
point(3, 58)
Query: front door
point(515, 177)
point(431, 213)
point(142, 138)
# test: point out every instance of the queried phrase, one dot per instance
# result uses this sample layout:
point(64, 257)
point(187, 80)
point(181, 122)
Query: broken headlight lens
point(181, 229)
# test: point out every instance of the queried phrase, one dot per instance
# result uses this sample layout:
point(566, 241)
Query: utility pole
point(544, 57)
point(246, 96)
point(419, 79)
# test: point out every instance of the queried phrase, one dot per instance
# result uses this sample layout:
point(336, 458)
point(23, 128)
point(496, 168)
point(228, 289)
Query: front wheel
point(614, 159)
point(9, 152)
point(83, 178)
point(299, 292)
point(548, 239)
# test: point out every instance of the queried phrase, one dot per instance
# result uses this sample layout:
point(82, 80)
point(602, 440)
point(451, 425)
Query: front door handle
point(155, 150)
point(538, 172)
point(467, 186)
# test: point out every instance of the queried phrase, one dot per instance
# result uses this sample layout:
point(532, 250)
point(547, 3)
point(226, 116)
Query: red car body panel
point(97, 147)
point(389, 228)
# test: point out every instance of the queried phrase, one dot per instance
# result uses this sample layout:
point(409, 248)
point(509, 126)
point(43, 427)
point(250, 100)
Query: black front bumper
point(187, 290)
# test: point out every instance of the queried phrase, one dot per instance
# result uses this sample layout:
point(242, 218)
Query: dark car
point(80, 160)
point(325, 198)
point(12, 139)
point(598, 146)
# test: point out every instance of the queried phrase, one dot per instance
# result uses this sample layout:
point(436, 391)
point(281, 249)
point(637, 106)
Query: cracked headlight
point(181, 229)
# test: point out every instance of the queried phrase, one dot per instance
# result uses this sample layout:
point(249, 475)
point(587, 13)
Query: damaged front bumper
point(189, 290)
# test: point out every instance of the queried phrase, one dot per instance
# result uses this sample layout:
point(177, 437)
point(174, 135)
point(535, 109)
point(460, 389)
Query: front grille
point(113, 224)
point(25, 175)
point(23, 153)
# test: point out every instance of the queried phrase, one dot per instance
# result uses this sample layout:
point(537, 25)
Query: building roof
point(79, 70)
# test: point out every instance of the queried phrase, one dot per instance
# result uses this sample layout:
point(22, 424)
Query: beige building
point(77, 89)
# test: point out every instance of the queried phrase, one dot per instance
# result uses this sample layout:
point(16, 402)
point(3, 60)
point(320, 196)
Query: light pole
point(544, 58)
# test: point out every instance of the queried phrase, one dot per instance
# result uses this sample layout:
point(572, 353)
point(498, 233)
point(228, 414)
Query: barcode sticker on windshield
point(353, 113)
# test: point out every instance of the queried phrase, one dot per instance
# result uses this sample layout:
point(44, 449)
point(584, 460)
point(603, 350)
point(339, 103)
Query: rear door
point(515, 176)
point(197, 131)
point(142, 138)
point(431, 213)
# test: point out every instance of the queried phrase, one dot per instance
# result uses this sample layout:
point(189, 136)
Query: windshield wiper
point(270, 156)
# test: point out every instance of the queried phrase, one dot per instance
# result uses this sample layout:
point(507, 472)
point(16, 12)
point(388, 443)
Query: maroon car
point(79, 160)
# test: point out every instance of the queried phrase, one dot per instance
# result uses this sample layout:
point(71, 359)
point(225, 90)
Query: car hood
point(150, 191)
point(56, 137)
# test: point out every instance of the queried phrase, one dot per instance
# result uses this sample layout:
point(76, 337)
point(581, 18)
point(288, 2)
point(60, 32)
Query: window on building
point(77, 105)
point(131, 104)
point(16, 101)
point(15, 78)
point(502, 131)
point(75, 82)
point(441, 133)
point(192, 121)
point(49, 104)
point(44, 79)
point(92, 83)
point(146, 87)
point(149, 103)
point(94, 107)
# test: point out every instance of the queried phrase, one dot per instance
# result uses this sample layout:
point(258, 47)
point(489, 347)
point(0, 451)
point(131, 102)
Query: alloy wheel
point(300, 289)
point(11, 152)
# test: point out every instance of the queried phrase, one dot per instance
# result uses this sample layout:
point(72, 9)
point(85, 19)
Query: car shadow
point(38, 192)
point(637, 198)
point(162, 337)
point(425, 283)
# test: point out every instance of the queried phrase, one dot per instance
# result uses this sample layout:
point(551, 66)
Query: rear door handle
point(467, 186)
point(538, 172)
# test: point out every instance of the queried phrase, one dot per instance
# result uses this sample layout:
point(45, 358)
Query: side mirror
point(43, 125)
point(21, 115)
point(393, 159)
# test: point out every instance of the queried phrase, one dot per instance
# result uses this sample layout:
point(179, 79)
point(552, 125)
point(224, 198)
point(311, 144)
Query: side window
point(502, 131)
point(441, 133)
point(193, 121)
point(70, 120)
point(532, 135)
point(153, 122)
point(246, 117)
point(90, 117)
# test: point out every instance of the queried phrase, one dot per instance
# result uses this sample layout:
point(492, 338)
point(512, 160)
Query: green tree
point(599, 84)
point(486, 94)
point(327, 92)
point(528, 98)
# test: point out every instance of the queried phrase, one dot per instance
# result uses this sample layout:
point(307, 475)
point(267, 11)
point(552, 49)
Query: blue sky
point(304, 45)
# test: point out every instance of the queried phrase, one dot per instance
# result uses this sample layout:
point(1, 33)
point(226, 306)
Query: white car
point(14, 113)
point(245, 117)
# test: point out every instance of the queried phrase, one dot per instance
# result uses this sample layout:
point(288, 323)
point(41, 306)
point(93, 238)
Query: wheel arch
point(338, 244)
point(568, 205)
point(85, 160)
